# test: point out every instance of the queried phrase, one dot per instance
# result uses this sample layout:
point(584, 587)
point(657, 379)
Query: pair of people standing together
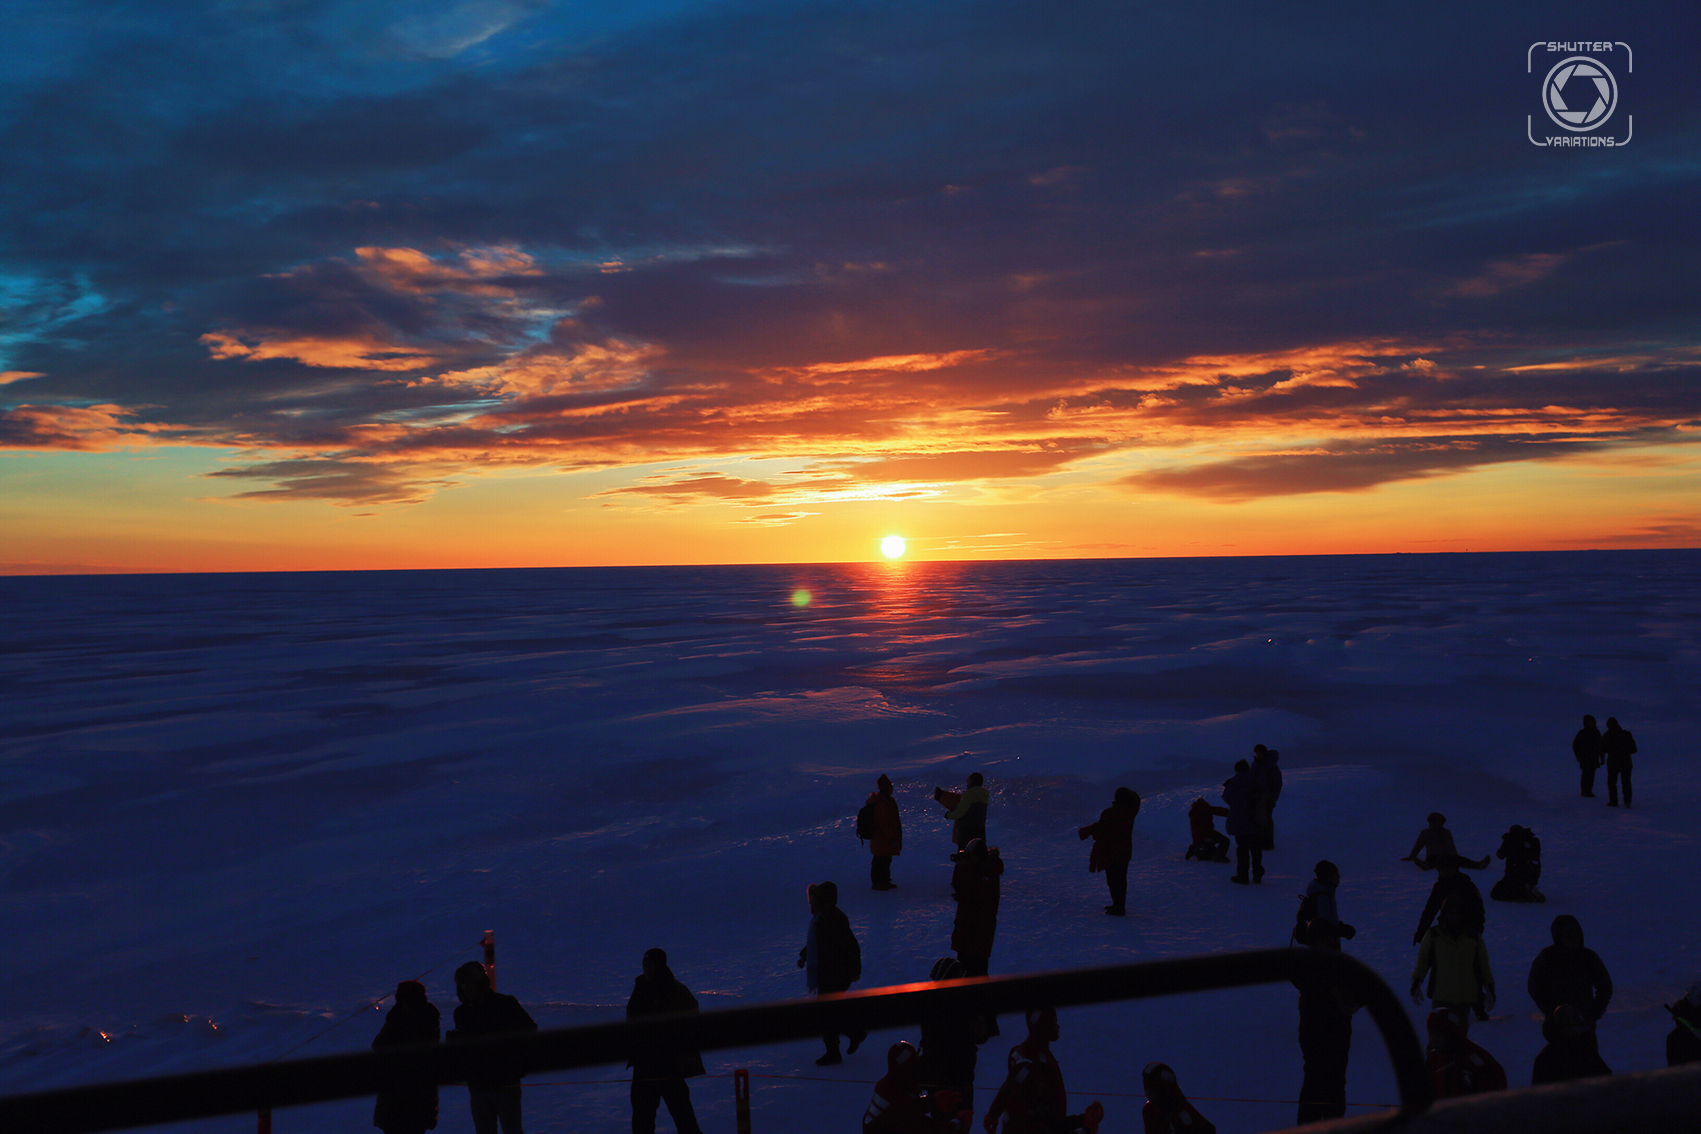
point(1251, 794)
point(1614, 748)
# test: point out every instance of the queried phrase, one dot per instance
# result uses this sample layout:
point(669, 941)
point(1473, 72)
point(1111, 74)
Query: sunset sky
point(339, 284)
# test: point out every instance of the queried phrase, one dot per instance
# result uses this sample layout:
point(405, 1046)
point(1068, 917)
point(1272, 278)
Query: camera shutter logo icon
point(1579, 93)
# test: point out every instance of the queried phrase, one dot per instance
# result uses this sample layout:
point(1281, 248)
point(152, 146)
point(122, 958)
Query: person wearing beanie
point(831, 960)
point(1458, 1067)
point(408, 1103)
point(897, 1106)
point(1113, 846)
point(885, 833)
point(1167, 1110)
point(659, 1074)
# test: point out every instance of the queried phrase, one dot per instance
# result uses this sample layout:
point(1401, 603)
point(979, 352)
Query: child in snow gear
point(1523, 854)
point(1240, 792)
point(1456, 1065)
point(1317, 906)
point(659, 1075)
point(1435, 842)
point(831, 960)
point(879, 823)
point(1167, 1110)
point(1683, 1045)
point(493, 1090)
point(1033, 1093)
point(1209, 844)
point(897, 1106)
point(1619, 746)
point(1586, 747)
point(975, 888)
point(966, 810)
point(1456, 961)
point(408, 1103)
point(1113, 846)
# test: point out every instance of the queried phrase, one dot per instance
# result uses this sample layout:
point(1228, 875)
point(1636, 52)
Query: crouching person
point(898, 1107)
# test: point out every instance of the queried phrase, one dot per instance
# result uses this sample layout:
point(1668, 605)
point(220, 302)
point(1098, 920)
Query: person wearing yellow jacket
point(1456, 961)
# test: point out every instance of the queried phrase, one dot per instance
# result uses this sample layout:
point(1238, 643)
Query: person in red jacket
point(975, 886)
point(887, 839)
point(1033, 1093)
point(1167, 1110)
point(1113, 846)
point(1209, 844)
point(1456, 1065)
point(897, 1106)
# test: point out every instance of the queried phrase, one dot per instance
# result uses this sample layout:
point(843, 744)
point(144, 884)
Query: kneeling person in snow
point(1209, 844)
point(1033, 1093)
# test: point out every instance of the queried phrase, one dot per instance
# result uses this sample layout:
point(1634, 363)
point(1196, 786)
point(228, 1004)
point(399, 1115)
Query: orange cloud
point(88, 429)
point(411, 271)
point(350, 352)
point(1504, 275)
point(7, 377)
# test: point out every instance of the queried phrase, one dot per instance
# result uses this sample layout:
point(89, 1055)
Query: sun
point(892, 547)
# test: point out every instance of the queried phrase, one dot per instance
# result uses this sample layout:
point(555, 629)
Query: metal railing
point(204, 1094)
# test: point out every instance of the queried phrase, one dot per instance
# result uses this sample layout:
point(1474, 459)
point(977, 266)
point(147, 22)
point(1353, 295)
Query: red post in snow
point(489, 944)
point(741, 1099)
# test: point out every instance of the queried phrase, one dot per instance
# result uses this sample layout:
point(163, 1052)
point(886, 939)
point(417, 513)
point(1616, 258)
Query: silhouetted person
point(1167, 1110)
point(831, 960)
point(1033, 1094)
point(1619, 747)
point(1456, 961)
point(966, 810)
point(408, 1103)
point(494, 1089)
point(1458, 1067)
point(1572, 1051)
point(1325, 1036)
point(1209, 844)
point(659, 1074)
point(1267, 776)
point(1586, 747)
point(1240, 793)
point(1523, 854)
point(1683, 1043)
point(975, 887)
point(886, 840)
point(1317, 905)
point(950, 1044)
point(1451, 884)
point(1567, 973)
point(1113, 846)
point(897, 1106)
point(1435, 842)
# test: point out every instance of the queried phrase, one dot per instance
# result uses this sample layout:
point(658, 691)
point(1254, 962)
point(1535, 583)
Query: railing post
point(489, 943)
point(741, 1099)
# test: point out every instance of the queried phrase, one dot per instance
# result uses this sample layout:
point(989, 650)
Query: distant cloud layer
point(888, 248)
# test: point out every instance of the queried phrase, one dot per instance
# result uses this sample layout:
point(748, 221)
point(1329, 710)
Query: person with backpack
point(1317, 907)
point(1618, 746)
point(1113, 846)
point(831, 960)
point(1209, 844)
point(1586, 747)
point(1523, 854)
point(879, 824)
point(1455, 959)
